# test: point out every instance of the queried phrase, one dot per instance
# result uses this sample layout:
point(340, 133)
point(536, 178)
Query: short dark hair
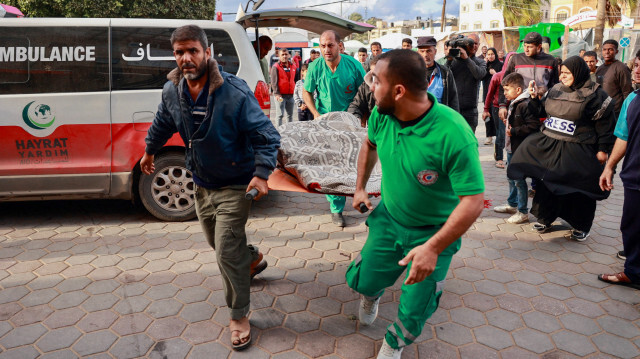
point(590, 54)
point(304, 66)
point(336, 36)
point(375, 43)
point(611, 42)
point(189, 32)
point(407, 68)
point(362, 49)
point(513, 79)
point(638, 55)
point(407, 40)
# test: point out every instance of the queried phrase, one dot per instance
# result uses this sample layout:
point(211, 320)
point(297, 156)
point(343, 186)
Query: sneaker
point(531, 193)
point(579, 236)
point(488, 141)
point(338, 219)
point(387, 352)
point(368, 310)
point(518, 218)
point(540, 228)
point(621, 255)
point(506, 209)
point(258, 266)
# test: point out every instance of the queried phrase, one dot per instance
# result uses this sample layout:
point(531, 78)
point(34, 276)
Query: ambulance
point(77, 97)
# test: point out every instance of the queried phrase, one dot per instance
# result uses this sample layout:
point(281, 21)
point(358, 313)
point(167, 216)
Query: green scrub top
point(336, 89)
point(425, 167)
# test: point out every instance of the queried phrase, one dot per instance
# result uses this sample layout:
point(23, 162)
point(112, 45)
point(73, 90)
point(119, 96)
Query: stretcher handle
point(251, 194)
point(363, 208)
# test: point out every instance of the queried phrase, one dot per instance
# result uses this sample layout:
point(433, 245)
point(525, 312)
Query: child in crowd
point(303, 112)
point(522, 120)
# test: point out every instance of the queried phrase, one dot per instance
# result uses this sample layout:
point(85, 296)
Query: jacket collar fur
point(215, 78)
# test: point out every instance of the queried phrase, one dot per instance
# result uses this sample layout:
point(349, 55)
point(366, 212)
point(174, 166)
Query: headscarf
point(579, 69)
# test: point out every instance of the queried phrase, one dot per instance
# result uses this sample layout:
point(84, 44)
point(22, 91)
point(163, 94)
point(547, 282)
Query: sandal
point(500, 164)
point(238, 343)
point(622, 279)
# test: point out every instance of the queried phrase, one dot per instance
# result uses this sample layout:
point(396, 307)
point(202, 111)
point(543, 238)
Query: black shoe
point(621, 255)
point(338, 219)
point(540, 228)
point(579, 236)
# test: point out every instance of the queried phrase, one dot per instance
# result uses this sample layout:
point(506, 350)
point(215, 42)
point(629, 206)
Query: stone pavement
point(102, 279)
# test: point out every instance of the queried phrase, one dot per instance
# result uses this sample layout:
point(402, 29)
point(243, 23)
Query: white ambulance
point(77, 97)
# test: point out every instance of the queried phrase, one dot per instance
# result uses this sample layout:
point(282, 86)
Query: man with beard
point(265, 46)
point(376, 49)
point(336, 80)
point(440, 165)
point(441, 82)
point(468, 71)
point(231, 148)
point(613, 75)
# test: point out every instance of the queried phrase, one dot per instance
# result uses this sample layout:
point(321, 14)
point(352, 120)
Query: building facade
point(484, 15)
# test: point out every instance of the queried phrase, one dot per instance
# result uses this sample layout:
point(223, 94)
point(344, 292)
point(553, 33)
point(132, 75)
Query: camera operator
point(468, 71)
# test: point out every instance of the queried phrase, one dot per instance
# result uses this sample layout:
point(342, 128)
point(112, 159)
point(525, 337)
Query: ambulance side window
point(53, 60)
point(142, 57)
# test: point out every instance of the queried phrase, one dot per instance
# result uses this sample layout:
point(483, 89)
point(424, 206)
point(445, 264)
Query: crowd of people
point(563, 125)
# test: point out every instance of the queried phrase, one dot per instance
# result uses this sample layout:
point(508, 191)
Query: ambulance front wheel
point(169, 193)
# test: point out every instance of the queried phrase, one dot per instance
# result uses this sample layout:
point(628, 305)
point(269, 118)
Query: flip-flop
point(622, 280)
point(499, 164)
point(240, 344)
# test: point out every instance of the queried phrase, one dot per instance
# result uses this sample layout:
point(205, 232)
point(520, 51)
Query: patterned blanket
point(323, 154)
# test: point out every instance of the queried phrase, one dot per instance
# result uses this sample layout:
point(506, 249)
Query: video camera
point(460, 42)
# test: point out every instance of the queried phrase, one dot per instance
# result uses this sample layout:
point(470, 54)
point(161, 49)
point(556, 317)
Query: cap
point(425, 41)
point(533, 38)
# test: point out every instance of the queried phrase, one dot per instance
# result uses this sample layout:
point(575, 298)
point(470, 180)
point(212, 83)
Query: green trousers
point(223, 214)
point(336, 203)
point(376, 268)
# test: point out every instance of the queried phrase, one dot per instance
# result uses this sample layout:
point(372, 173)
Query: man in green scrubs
point(336, 80)
point(432, 192)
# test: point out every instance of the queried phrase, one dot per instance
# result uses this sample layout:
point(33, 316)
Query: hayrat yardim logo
point(38, 116)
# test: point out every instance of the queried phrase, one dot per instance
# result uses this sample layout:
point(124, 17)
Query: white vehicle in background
point(78, 96)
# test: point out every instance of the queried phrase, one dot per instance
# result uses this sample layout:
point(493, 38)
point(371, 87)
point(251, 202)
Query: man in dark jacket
point(468, 71)
point(231, 148)
point(613, 75)
point(533, 64)
point(364, 102)
point(441, 81)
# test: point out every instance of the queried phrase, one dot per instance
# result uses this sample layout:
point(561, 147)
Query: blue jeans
point(498, 154)
point(286, 105)
point(517, 191)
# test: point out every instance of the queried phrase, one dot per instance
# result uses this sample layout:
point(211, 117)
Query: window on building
point(495, 24)
point(494, 5)
point(478, 6)
point(464, 27)
point(465, 8)
point(477, 26)
point(561, 16)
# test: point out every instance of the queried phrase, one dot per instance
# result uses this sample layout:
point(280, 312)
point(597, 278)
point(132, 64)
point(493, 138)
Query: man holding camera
point(441, 82)
point(463, 62)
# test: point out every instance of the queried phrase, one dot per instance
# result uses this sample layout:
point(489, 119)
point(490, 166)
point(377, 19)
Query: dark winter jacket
point(235, 141)
point(542, 68)
point(450, 91)
point(362, 103)
point(468, 73)
point(523, 119)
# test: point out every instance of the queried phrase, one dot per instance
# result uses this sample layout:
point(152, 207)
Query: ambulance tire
point(169, 192)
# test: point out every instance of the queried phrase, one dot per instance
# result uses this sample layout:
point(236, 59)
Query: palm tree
point(521, 12)
point(609, 11)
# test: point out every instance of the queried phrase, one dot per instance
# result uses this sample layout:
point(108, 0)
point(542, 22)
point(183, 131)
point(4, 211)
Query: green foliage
point(162, 9)
point(521, 12)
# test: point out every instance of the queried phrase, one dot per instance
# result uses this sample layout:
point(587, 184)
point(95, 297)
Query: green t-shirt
point(337, 89)
point(425, 167)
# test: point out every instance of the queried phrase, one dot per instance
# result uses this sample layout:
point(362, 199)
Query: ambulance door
point(54, 95)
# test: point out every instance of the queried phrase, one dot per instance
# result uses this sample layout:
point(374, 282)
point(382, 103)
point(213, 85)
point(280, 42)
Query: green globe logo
point(38, 116)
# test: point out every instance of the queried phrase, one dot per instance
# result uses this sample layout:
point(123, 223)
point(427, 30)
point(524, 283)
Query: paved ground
point(102, 279)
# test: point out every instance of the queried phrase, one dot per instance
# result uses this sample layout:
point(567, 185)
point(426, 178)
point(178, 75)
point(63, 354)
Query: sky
point(389, 10)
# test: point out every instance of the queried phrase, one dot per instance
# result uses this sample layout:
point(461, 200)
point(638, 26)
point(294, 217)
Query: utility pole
point(444, 21)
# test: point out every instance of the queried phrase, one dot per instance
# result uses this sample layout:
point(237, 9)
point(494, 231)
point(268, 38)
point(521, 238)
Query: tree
point(521, 12)
point(175, 9)
point(609, 11)
point(355, 16)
